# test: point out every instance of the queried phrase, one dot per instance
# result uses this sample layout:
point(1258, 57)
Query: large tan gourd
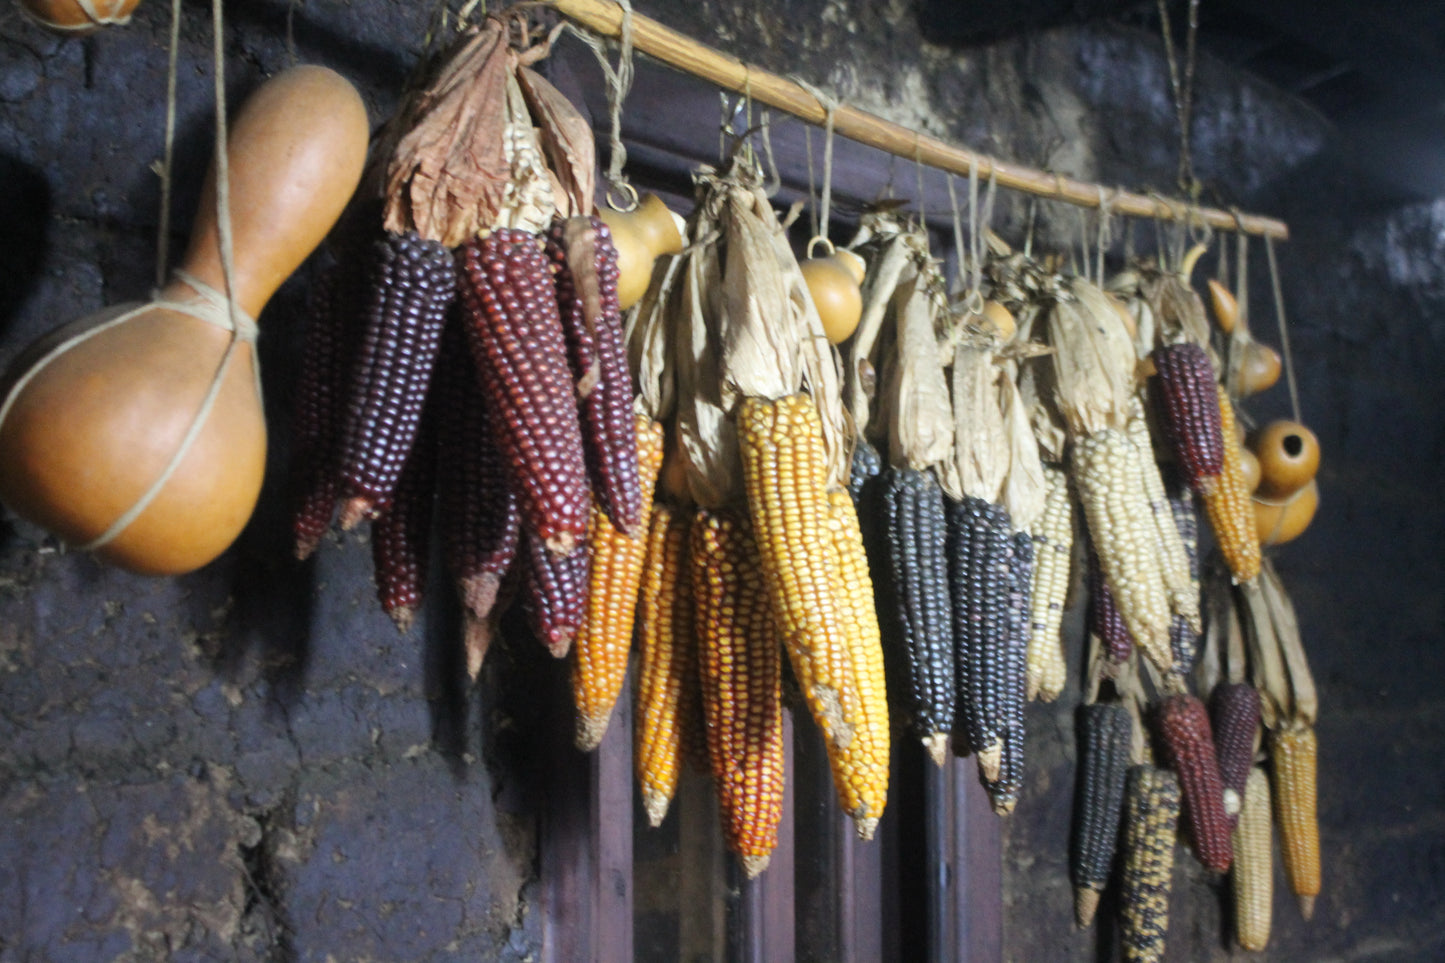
point(641, 236)
point(89, 433)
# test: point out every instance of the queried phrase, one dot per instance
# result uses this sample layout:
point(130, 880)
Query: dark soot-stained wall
point(250, 763)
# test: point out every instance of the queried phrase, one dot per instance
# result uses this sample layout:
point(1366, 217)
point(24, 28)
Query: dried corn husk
point(1093, 359)
point(981, 438)
point(1025, 486)
point(916, 404)
point(650, 336)
point(1278, 666)
point(567, 144)
point(889, 249)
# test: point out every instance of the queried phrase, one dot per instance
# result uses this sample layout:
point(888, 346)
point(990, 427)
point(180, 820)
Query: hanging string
point(774, 180)
point(163, 232)
point(1106, 235)
point(1183, 88)
point(980, 220)
point(922, 201)
point(823, 214)
point(1283, 327)
point(619, 85)
point(958, 248)
point(812, 186)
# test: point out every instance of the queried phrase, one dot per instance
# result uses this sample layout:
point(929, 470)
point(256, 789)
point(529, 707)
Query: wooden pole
point(683, 53)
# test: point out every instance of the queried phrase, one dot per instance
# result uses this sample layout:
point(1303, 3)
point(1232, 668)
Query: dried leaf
point(889, 251)
point(981, 439)
point(566, 138)
point(1304, 698)
point(1025, 487)
point(649, 336)
point(758, 326)
point(917, 403)
point(706, 434)
point(1093, 360)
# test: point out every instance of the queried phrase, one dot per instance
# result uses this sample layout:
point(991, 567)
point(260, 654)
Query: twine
point(619, 85)
point(830, 106)
point(1106, 236)
point(1283, 327)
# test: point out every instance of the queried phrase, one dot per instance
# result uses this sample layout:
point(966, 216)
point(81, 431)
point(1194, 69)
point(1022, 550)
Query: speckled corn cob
point(917, 606)
point(784, 472)
point(1292, 756)
point(1234, 713)
point(1053, 553)
point(1106, 472)
point(1104, 735)
point(1151, 820)
point(667, 685)
point(412, 282)
point(1183, 638)
point(400, 535)
point(1229, 507)
point(1191, 411)
point(604, 640)
point(1252, 878)
point(740, 669)
point(584, 262)
point(515, 334)
point(1173, 556)
point(1189, 744)
point(553, 590)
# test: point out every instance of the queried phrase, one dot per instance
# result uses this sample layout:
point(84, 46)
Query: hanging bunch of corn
point(1053, 536)
point(1228, 506)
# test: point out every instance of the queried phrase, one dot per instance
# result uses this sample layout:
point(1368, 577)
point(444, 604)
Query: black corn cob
point(584, 262)
point(1183, 641)
point(1151, 823)
point(1003, 792)
point(411, 283)
point(400, 535)
point(1187, 387)
point(1104, 619)
point(1105, 733)
point(1189, 745)
point(990, 677)
point(515, 335)
point(866, 465)
point(316, 418)
point(918, 617)
point(554, 592)
point(1235, 713)
point(1021, 588)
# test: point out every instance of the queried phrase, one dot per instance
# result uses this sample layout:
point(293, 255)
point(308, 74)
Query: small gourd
point(1000, 319)
point(1249, 465)
point(78, 16)
point(641, 236)
point(95, 414)
point(834, 284)
point(1278, 522)
point(1226, 308)
point(1289, 457)
point(1259, 369)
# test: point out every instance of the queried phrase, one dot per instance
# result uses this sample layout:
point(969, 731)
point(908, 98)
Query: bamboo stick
point(683, 53)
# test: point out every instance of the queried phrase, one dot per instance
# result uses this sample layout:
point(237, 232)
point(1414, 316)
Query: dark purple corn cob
point(400, 535)
point(1105, 732)
point(412, 281)
point(1234, 712)
point(1190, 396)
point(515, 335)
point(584, 262)
point(1189, 746)
point(554, 592)
point(1104, 619)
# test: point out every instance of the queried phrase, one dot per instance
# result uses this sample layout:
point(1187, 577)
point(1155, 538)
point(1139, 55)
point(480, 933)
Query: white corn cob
point(1108, 475)
point(1053, 536)
point(1252, 875)
point(1173, 556)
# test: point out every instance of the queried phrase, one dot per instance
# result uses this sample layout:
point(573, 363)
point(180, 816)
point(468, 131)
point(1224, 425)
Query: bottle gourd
point(96, 412)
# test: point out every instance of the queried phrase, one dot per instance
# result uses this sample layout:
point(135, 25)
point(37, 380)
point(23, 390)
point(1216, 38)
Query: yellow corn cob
point(604, 639)
point(862, 768)
point(783, 469)
point(1107, 473)
point(667, 687)
point(740, 668)
point(1173, 556)
point(1292, 755)
point(1252, 876)
point(1053, 553)
point(1228, 505)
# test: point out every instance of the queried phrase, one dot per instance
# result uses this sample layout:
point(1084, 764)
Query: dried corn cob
point(1105, 622)
point(554, 591)
point(1106, 473)
point(784, 472)
point(1105, 735)
point(740, 668)
point(916, 601)
point(866, 465)
point(1053, 553)
point(1230, 508)
point(1234, 712)
point(411, 284)
point(1189, 743)
point(476, 507)
point(864, 765)
point(400, 535)
point(1191, 408)
point(1173, 555)
point(1252, 878)
point(667, 685)
point(1183, 637)
point(315, 423)
point(604, 639)
point(1292, 756)
point(584, 262)
point(1151, 820)
point(1003, 792)
point(515, 335)
point(990, 664)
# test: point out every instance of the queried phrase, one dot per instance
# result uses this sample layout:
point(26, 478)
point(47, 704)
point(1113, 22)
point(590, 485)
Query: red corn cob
point(1104, 618)
point(584, 262)
point(1184, 726)
point(1235, 711)
point(400, 534)
point(516, 338)
point(554, 591)
point(1191, 411)
point(411, 284)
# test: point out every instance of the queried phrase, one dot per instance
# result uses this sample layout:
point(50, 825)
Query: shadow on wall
point(25, 212)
